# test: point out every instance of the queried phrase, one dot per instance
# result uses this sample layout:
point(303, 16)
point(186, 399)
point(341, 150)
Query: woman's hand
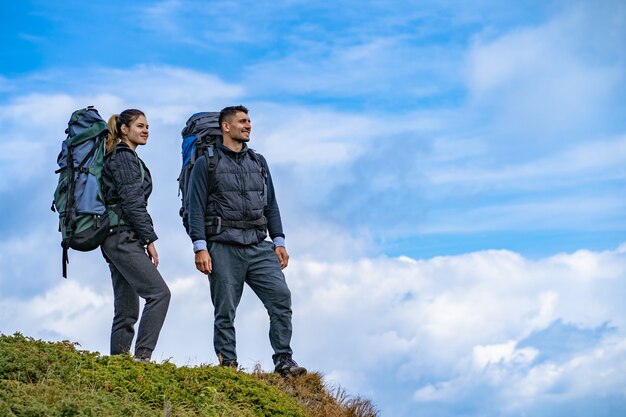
point(152, 253)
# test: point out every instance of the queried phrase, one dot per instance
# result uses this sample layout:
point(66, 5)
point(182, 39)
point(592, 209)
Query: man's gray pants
point(258, 266)
point(134, 275)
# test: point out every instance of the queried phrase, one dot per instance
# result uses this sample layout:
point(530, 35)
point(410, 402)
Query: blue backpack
point(78, 196)
point(200, 135)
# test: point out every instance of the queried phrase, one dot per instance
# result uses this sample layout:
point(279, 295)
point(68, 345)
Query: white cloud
point(172, 18)
point(502, 353)
point(580, 212)
point(435, 392)
point(588, 162)
point(68, 310)
point(591, 373)
point(538, 80)
point(312, 139)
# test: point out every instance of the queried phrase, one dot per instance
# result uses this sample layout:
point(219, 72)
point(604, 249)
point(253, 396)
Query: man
point(231, 209)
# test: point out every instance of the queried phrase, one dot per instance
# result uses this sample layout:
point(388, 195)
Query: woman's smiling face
point(137, 133)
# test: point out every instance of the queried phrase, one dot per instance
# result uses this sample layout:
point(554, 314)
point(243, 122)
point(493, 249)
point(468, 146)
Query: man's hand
point(152, 253)
point(283, 256)
point(203, 262)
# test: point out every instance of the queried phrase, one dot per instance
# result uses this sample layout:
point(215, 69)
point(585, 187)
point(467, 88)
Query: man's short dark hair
point(228, 112)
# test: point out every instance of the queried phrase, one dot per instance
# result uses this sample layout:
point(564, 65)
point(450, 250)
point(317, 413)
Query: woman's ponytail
point(114, 136)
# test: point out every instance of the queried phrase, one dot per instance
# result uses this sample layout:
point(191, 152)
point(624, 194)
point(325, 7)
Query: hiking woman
point(129, 248)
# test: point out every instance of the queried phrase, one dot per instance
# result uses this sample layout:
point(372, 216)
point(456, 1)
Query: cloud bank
point(484, 331)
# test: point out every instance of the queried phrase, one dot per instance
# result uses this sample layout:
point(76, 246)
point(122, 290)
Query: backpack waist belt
point(214, 224)
point(119, 228)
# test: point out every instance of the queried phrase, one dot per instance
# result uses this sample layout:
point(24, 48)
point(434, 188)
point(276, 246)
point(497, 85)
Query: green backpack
point(78, 198)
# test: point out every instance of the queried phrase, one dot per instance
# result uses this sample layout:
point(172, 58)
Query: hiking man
point(232, 207)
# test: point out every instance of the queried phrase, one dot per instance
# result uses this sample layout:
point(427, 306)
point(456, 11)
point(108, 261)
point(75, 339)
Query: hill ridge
point(42, 378)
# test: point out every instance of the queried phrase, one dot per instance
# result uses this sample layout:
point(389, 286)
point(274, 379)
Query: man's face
point(238, 127)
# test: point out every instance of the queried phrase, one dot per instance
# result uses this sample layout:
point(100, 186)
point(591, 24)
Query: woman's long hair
point(127, 117)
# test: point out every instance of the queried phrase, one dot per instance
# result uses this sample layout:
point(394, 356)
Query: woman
point(129, 248)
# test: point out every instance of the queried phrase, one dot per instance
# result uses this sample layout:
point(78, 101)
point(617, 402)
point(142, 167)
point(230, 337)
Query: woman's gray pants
point(258, 266)
point(134, 275)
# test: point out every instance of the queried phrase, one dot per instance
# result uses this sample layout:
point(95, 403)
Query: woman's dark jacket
point(123, 189)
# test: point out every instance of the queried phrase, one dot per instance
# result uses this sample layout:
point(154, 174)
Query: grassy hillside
point(39, 378)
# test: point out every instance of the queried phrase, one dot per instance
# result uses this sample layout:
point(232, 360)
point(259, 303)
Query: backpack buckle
point(213, 225)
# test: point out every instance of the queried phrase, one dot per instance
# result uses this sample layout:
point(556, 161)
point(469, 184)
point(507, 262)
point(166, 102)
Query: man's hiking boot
point(286, 366)
point(142, 355)
point(226, 363)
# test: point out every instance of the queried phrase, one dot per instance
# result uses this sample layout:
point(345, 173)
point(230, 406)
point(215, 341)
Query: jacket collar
point(123, 144)
point(229, 151)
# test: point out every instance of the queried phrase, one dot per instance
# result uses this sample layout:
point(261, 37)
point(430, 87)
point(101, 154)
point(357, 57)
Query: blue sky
point(450, 174)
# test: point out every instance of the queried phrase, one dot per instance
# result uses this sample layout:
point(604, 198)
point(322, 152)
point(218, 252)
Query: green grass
point(54, 379)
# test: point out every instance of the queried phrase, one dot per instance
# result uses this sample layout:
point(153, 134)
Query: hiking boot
point(286, 366)
point(229, 363)
point(143, 355)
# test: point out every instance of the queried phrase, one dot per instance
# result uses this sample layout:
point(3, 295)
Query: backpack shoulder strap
point(257, 158)
point(212, 159)
point(142, 168)
point(113, 154)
